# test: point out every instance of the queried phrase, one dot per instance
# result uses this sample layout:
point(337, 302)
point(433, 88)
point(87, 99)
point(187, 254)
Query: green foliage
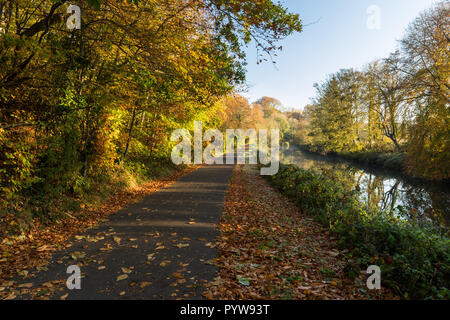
point(414, 259)
point(16, 170)
point(429, 148)
point(96, 3)
point(335, 115)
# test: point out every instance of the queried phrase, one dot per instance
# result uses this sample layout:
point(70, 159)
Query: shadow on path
point(157, 248)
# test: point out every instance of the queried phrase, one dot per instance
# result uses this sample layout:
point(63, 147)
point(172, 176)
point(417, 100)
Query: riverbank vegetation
point(393, 112)
point(414, 256)
point(82, 111)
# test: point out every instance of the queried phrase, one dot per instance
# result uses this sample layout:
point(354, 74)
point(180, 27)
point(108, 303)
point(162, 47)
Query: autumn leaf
point(44, 248)
point(78, 255)
point(165, 263)
point(144, 284)
point(122, 277)
point(126, 270)
point(11, 297)
point(243, 281)
point(182, 245)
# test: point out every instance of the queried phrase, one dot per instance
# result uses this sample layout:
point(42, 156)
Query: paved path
point(155, 249)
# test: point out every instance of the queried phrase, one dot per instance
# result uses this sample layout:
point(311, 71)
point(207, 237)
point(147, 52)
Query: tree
point(75, 104)
point(238, 113)
point(336, 115)
point(392, 110)
point(426, 57)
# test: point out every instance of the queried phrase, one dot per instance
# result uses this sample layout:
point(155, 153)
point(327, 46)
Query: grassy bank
point(390, 161)
point(414, 259)
point(385, 160)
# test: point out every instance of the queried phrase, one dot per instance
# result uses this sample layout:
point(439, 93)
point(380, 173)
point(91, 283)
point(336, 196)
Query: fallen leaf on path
point(78, 255)
point(11, 297)
point(126, 270)
point(122, 277)
point(25, 285)
point(23, 273)
point(165, 263)
point(144, 284)
point(181, 245)
point(243, 281)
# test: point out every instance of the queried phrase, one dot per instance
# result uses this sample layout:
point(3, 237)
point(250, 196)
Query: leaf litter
point(269, 249)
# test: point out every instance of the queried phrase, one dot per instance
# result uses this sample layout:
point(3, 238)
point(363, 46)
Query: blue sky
point(340, 39)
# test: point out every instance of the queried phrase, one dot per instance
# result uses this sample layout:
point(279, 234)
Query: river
point(382, 189)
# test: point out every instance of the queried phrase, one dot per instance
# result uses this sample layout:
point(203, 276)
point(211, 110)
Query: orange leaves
point(269, 250)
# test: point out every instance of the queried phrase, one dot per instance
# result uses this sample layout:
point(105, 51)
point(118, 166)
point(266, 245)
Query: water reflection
point(379, 189)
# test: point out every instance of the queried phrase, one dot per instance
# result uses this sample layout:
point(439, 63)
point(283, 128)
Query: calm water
point(382, 189)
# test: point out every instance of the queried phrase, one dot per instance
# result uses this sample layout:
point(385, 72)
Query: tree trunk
point(130, 132)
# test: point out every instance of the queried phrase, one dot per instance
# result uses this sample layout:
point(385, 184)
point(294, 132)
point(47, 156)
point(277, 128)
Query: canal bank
point(380, 188)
